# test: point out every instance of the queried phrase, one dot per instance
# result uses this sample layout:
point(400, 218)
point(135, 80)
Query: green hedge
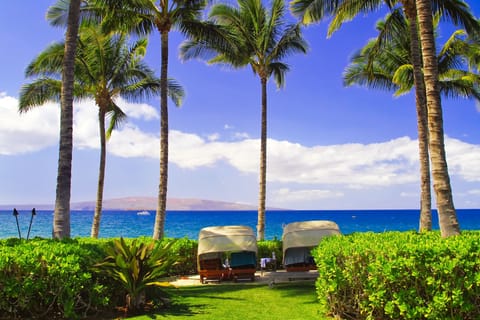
point(49, 277)
point(400, 275)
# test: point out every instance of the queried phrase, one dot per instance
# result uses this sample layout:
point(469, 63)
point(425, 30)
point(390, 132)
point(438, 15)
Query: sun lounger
point(243, 265)
point(210, 268)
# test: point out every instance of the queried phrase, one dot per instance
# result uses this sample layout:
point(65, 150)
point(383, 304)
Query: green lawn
point(295, 300)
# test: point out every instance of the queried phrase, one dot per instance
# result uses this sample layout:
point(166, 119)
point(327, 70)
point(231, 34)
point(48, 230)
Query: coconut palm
point(251, 35)
point(106, 67)
point(143, 17)
point(456, 11)
point(61, 217)
point(391, 68)
point(448, 222)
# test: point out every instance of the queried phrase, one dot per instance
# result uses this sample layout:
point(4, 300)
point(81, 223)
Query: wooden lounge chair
point(243, 265)
point(211, 269)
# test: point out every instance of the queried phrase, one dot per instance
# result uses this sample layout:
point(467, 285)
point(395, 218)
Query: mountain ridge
point(145, 203)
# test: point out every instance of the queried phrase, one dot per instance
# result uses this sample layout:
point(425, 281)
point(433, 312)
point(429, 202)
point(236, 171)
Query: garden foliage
point(400, 275)
point(41, 278)
point(136, 265)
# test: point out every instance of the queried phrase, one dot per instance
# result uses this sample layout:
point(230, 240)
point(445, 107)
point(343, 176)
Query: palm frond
point(311, 11)
point(175, 92)
point(347, 10)
point(48, 62)
point(403, 78)
point(458, 12)
point(279, 70)
point(374, 78)
point(38, 93)
point(116, 116)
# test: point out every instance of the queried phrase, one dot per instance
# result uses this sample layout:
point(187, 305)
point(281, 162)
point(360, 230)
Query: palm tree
point(458, 12)
point(391, 68)
point(256, 36)
point(105, 68)
point(448, 222)
point(142, 17)
point(61, 217)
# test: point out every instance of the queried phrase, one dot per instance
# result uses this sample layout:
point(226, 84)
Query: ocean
point(181, 224)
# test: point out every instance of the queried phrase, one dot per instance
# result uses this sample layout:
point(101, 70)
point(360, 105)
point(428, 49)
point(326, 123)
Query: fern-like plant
point(136, 266)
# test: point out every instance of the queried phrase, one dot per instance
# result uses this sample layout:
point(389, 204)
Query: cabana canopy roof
point(307, 233)
point(226, 239)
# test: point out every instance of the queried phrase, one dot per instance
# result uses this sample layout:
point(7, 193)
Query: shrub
point(400, 275)
point(186, 252)
point(265, 249)
point(48, 277)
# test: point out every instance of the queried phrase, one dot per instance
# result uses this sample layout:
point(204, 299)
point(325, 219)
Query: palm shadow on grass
point(296, 289)
point(181, 298)
point(196, 300)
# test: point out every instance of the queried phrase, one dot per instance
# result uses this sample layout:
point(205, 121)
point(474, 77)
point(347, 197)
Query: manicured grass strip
point(294, 300)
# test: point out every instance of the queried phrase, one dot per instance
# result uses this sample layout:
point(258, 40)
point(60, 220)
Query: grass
point(295, 300)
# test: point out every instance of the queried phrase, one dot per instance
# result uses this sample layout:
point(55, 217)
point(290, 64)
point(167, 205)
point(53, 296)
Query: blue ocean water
point(181, 224)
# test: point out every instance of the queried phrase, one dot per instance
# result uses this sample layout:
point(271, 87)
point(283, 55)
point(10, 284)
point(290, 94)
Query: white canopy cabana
point(226, 239)
point(300, 237)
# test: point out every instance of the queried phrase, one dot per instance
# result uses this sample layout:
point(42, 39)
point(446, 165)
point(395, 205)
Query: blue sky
point(329, 147)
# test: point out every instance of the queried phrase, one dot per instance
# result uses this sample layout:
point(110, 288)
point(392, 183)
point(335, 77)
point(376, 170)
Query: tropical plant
point(105, 68)
point(391, 68)
point(456, 11)
point(137, 266)
point(61, 216)
point(250, 34)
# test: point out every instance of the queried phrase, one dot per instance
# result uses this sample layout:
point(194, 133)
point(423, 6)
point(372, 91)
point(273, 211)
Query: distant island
point(145, 203)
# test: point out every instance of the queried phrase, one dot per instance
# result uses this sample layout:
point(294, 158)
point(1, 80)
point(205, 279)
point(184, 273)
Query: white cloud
point(39, 128)
point(138, 110)
point(409, 194)
point(286, 195)
point(213, 137)
point(28, 132)
point(356, 166)
point(241, 135)
point(130, 141)
point(463, 159)
point(474, 192)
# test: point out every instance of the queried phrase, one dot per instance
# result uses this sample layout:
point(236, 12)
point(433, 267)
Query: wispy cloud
point(354, 166)
point(285, 195)
point(213, 137)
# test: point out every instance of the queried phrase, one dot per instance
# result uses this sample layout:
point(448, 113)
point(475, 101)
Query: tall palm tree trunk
point(61, 217)
point(422, 124)
point(101, 175)
point(158, 231)
point(263, 164)
point(441, 181)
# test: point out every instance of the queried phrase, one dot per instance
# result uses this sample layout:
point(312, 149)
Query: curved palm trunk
point(101, 176)
point(263, 165)
point(446, 212)
point(61, 217)
point(422, 124)
point(158, 231)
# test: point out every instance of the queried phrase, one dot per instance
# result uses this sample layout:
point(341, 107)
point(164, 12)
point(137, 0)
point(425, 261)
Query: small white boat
point(143, 213)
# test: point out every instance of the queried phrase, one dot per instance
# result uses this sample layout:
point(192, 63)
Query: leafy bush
point(49, 277)
point(265, 249)
point(186, 252)
point(400, 275)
